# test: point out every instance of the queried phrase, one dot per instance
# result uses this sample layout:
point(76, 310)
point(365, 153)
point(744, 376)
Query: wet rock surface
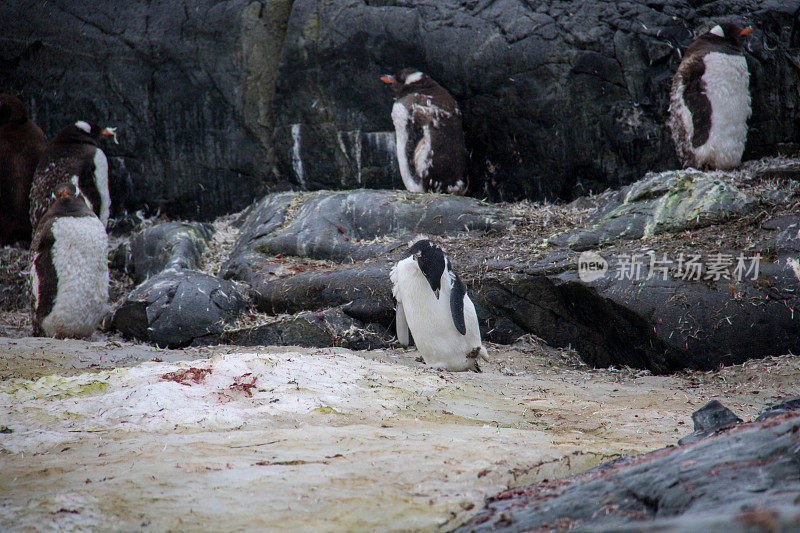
point(178, 307)
point(356, 225)
point(173, 245)
point(658, 203)
point(331, 327)
point(741, 479)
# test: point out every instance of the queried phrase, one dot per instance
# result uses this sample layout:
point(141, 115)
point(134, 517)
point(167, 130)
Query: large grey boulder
point(189, 85)
point(659, 203)
point(742, 479)
point(172, 245)
point(179, 307)
point(559, 98)
point(354, 225)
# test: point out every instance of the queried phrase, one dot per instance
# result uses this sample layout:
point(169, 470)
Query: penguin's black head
point(11, 110)
point(69, 201)
point(726, 34)
point(431, 261)
point(84, 132)
point(407, 80)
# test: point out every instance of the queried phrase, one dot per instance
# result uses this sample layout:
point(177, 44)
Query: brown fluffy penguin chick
point(22, 144)
point(710, 100)
point(429, 135)
point(69, 270)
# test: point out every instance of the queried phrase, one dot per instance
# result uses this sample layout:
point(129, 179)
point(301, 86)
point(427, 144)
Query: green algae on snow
point(56, 387)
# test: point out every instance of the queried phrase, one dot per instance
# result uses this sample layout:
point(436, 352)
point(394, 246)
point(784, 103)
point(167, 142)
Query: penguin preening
point(433, 303)
point(22, 144)
point(73, 156)
point(710, 100)
point(429, 135)
point(69, 270)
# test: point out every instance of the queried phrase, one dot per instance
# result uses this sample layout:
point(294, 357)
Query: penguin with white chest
point(710, 100)
point(430, 144)
point(69, 270)
point(22, 144)
point(433, 303)
point(73, 156)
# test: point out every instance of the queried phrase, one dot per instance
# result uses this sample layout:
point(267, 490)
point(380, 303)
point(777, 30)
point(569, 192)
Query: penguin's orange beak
point(388, 79)
point(110, 131)
point(63, 194)
point(746, 31)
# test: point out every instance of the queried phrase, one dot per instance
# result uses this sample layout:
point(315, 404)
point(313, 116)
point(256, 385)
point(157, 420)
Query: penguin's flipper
point(694, 95)
point(457, 293)
point(402, 325)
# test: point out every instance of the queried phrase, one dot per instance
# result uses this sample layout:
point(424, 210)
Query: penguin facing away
point(710, 100)
point(73, 156)
point(69, 270)
point(429, 135)
point(22, 144)
point(433, 303)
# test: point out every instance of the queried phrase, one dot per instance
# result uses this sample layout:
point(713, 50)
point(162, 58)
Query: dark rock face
point(178, 308)
point(173, 245)
point(558, 98)
point(189, 85)
point(743, 479)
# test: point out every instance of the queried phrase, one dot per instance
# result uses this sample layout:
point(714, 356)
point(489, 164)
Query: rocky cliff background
point(220, 102)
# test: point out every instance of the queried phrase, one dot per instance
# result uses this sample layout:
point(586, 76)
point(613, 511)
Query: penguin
point(22, 144)
point(429, 136)
point(710, 100)
point(69, 268)
point(73, 156)
point(433, 303)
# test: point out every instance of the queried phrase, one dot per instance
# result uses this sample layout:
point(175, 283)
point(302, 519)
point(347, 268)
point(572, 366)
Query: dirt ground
point(111, 434)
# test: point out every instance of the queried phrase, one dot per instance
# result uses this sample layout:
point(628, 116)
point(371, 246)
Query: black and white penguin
point(433, 303)
point(22, 144)
point(710, 100)
point(73, 156)
point(69, 270)
point(429, 135)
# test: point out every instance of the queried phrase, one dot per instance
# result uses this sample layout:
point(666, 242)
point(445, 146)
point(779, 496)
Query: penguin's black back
point(70, 153)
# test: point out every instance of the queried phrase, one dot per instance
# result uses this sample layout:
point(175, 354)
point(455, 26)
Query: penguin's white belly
point(80, 258)
point(431, 322)
point(400, 119)
point(101, 182)
point(727, 83)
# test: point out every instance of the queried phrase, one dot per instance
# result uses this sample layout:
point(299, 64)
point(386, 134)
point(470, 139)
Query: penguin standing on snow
point(432, 302)
point(429, 135)
point(69, 271)
point(22, 143)
point(73, 156)
point(710, 100)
